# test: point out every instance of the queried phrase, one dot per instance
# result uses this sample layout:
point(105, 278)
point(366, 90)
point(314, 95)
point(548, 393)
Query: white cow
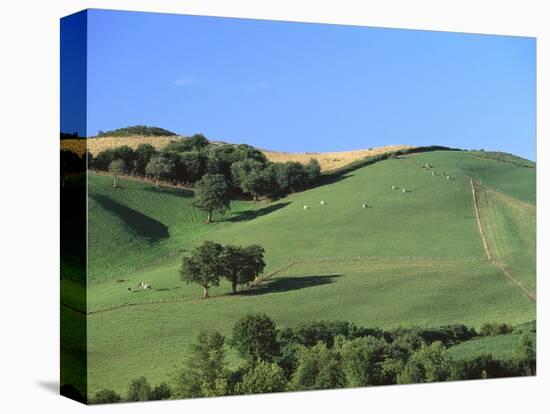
point(364, 206)
point(393, 187)
point(322, 203)
point(306, 207)
point(404, 189)
point(448, 177)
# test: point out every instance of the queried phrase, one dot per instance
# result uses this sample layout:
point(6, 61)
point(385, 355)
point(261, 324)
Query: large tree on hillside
point(212, 195)
point(242, 265)
point(204, 267)
point(117, 167)
point(160, 167)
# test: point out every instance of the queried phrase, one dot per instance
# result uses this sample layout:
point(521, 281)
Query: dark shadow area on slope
point(252, 214)
point(179, 192)
point(143, 225)
point(285, 284)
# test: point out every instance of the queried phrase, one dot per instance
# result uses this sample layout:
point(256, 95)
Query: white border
point(29, 226)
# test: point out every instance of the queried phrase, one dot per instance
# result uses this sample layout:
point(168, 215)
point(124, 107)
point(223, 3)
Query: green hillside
point(137, 223)
point(410, 258)
point(513, 175)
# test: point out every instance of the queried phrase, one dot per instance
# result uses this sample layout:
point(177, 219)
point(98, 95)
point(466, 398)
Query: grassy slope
point(137, 223)
point(510, 228)
point(428, 293)
point(434, 219)
point(505, 175)
point(500, 346)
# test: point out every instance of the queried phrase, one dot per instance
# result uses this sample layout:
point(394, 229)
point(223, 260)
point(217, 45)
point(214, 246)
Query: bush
point(139, 390)
point(161, 392)
point(106, 397)
point(493, 329)
point(262, 378)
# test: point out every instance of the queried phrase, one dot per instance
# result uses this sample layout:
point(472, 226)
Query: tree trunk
point(204, 292)
point(114, 181)
point(157, 182)
point(209, 218)
point(234, 285)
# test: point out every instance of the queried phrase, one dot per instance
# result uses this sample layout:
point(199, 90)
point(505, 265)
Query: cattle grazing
point(393, 187)
point(448, 177)
point(306, 207)
point(322, 203)
point(365, 206)
point(404, 189)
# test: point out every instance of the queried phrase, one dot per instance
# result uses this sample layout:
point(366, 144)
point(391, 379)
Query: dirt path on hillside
point(491, 260)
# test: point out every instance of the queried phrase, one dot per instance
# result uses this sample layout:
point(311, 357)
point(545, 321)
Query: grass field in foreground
point(150, 339)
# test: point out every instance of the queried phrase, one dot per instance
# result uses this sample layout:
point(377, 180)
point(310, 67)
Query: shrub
point(139, 390)
point(106, 397)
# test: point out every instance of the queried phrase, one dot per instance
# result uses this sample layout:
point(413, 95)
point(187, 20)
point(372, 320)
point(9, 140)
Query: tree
point(117, 167)
point(212, 195)
point(204, 267)
point(126, 154)
point(192, 165)
point(255, 338)
point(139, 390)
point(197, 142)
point(242, 265)
point(254, 264)
point(262, 378)
point(429, 364)
point(143, 154)
point(106, 397)
point(203, 371)
point(312, 170)
point(362, 361)
point(525, 353)
point(248, 175)
point(318, 368)
point(160, 167)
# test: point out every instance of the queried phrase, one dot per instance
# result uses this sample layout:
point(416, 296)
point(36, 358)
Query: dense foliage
point(326, 355)
point(210, 262)
point(245, 170)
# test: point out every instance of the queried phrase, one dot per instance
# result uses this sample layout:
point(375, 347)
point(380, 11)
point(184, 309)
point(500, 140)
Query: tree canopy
point(212, 195)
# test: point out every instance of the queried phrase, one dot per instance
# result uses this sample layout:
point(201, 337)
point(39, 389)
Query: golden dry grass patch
point(331, 160)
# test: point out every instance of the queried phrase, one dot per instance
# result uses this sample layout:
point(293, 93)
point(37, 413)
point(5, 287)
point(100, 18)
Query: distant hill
point(141, 130)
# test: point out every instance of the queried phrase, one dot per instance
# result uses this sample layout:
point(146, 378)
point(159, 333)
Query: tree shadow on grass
point(180, 192)
point(145, 226)
point(252, 214)
point(285, 284)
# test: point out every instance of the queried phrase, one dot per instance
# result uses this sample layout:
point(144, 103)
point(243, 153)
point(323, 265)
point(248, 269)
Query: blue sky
point(310, 87)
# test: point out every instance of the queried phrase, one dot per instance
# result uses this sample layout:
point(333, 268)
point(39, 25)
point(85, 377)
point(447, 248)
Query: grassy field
point(503, 173)
point(137, 223)
point(426, 264)
point(510, 228)
point(429, 293)
point(500, 347)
